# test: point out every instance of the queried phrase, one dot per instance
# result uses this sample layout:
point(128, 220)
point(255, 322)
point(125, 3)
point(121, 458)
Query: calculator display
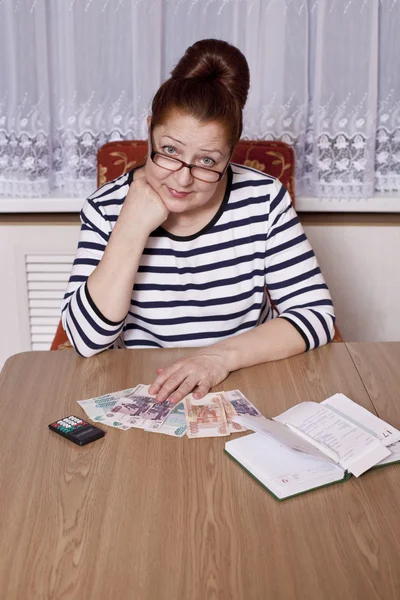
point(84, 434)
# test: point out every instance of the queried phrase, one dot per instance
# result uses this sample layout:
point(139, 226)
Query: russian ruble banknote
point(134, 407)
point(175, 423)
point(229, 413)
point(96, 408)
point(206, 417)
point(241, 404)
point(141, 412)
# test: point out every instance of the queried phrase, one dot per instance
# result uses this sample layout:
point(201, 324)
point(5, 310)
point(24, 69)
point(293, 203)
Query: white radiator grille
point(46, 277)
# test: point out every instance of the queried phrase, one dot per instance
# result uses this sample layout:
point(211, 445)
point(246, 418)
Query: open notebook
point(313, 445)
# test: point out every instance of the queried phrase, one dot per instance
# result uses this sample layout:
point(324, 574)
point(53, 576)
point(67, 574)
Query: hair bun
point(216, 60)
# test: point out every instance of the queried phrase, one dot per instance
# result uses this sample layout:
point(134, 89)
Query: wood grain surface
point(143, 516)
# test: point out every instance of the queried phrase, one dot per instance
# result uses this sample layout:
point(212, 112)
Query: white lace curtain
point(75, 74)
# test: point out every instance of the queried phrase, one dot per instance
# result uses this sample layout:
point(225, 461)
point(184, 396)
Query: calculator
point(76, 430)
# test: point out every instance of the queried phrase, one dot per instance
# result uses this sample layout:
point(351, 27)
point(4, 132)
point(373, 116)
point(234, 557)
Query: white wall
point(362, 268)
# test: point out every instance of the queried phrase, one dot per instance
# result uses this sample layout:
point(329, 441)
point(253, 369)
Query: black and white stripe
point(197, 290)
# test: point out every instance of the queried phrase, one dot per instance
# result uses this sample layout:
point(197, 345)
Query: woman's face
point(200, 144)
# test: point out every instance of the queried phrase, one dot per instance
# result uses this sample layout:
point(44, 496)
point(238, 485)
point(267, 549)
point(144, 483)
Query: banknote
point(113, 423)
point(134, 407)
point(163, 413)
point(99, 407)
point(206, 417)
point(131, 410)
point(157, 415)
point(230, 412)
point(96, 408)
point(142, 389)
point(140, 410)
point(175, 423)
point(241, 404)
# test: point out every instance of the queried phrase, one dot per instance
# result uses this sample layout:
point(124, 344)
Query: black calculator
point(76, 430)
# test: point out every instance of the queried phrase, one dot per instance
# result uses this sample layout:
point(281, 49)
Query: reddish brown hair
point(209, 83)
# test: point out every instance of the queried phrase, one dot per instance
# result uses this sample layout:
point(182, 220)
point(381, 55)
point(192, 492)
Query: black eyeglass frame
point(153, 153)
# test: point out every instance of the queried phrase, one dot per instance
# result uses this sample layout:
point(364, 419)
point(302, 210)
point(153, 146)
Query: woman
point(188, 249)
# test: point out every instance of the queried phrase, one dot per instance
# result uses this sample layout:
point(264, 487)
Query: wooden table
point(143, 516)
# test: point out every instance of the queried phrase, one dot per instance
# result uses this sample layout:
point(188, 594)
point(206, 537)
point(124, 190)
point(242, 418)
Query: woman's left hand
point(197, 373)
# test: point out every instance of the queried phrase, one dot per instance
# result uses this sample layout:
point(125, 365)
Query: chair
point(273, 157)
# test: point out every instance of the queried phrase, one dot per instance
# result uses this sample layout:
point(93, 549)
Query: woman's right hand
point(142, 206)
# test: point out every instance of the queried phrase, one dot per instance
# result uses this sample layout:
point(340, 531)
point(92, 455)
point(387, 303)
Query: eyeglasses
point(174, 164)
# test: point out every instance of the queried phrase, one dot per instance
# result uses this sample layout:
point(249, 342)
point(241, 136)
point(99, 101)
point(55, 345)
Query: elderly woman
point(191, 250)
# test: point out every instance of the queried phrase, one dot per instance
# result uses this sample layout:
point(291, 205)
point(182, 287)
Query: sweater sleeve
point(87, 329)
point(293, 278)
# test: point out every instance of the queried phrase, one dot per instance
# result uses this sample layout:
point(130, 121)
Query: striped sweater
point(250, 264)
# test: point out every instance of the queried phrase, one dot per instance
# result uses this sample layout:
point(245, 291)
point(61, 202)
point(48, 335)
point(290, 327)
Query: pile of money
point(212, 415)
point(136, 408)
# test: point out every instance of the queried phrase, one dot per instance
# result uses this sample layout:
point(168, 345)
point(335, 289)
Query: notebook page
point(358, 450)
point(281, 434)
point(360, 416)
point(282, 471)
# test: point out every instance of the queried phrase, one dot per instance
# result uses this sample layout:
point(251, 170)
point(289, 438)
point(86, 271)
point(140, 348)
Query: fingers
point(175, 383)
point(202, 389)
point(162, 377)
point(186, 387)
point(195, 375)
point(176, 387)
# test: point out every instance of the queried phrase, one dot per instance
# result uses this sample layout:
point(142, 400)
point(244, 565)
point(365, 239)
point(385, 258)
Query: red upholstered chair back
point(116, 158)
